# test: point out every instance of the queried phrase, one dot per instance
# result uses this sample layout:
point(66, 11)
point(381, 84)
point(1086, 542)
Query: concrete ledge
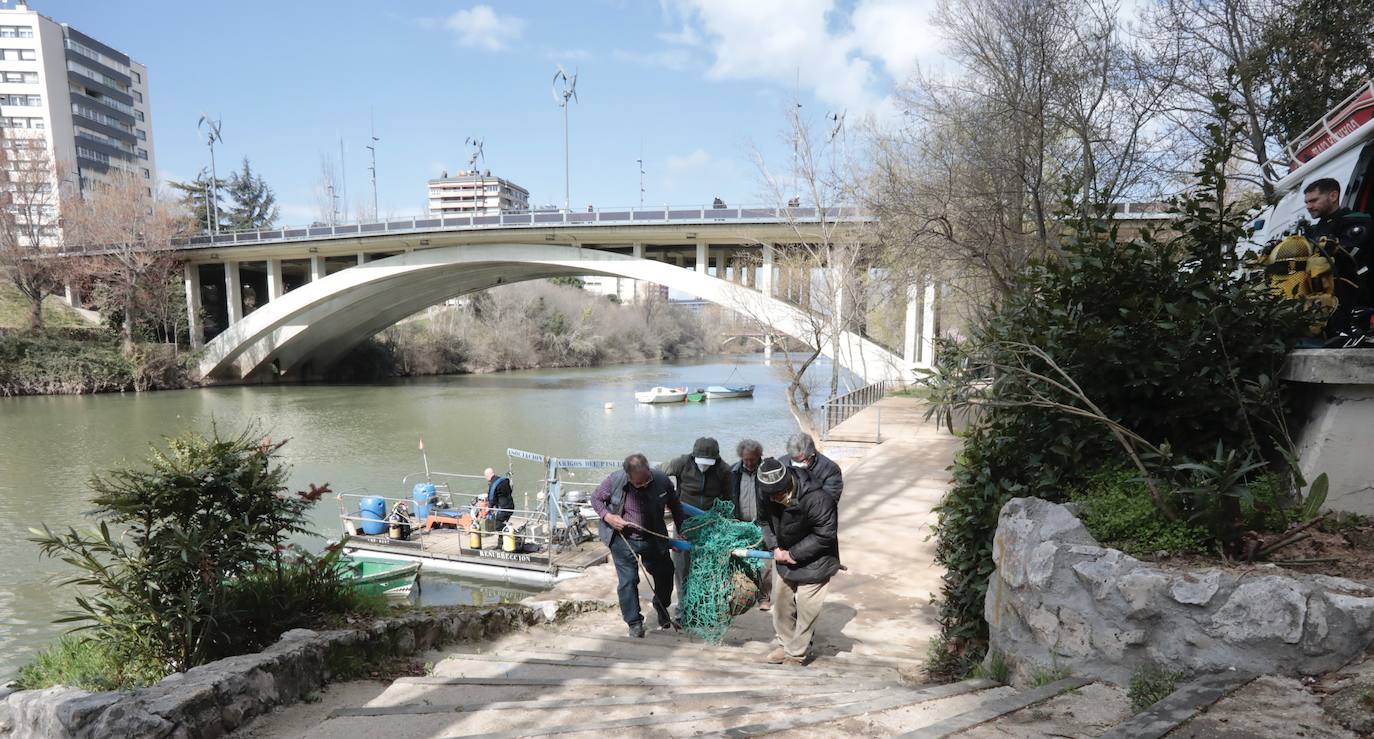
point(1329, 366)
point(216, 698)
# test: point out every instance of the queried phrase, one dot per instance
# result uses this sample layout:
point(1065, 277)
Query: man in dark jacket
point(802, 454)
point(800, 526)
point(1347, 246)
point(630, 504)
point(744, 493)
point(500, 499)
point(702, 479)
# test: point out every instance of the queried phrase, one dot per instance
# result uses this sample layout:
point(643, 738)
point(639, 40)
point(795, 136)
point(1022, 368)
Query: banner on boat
point(594, 464)
point(530, 456)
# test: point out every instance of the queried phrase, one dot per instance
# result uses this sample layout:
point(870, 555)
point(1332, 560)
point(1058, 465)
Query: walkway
point(586, 675)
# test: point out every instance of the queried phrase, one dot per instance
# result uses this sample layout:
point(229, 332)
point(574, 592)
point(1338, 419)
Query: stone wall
point(1059, 599)
point(216, 698)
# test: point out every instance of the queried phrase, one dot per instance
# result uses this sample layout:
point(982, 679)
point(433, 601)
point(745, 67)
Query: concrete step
point(992, 709)
point(610, 664)
point(457, 668)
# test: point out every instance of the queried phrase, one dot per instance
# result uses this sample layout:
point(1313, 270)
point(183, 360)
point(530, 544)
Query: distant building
point(475, 194)
point(87, 102)
point(621, 287)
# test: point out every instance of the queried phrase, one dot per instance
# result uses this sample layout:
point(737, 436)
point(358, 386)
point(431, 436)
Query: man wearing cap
point(802, 455)
point(800, 525)
point(702, 479)
point(630, 504)
point(744, 492)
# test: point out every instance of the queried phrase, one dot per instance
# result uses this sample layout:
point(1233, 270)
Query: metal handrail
point(841, 408)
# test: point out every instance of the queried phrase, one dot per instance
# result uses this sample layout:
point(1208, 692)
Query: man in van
point(1347, 245)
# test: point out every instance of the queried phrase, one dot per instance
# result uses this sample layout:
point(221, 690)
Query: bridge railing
point(841, 408)
point(530, 219)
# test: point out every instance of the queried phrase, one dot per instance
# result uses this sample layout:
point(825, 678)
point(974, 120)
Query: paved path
point(876, 625)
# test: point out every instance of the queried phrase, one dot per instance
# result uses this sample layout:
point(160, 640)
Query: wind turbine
point(372, 147)
point(477, 152)
point(211, 128)
point(838, 120)
point(561, 97)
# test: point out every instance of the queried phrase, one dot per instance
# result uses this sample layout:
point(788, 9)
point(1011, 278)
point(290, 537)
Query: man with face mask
point(802, 455)
point(630, 504)
point(702, 479)
point(800, 525)
point(744, 492)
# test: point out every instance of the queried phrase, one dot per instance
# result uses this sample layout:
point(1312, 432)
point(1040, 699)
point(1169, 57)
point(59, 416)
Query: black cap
point(773, 478)
point(706, 447)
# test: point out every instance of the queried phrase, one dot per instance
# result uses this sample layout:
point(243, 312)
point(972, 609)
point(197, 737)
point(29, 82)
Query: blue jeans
point(656, 561)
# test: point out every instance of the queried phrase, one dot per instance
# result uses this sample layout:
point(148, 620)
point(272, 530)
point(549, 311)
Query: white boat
point(662, 395)
point(716, 392)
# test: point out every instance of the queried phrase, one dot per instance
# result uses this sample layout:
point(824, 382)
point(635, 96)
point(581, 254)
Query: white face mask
point(704, 463)
point(802, 464)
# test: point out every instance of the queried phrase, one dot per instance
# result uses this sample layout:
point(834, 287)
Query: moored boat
point(696, 396)
point(662, 395)
point(716, 392)
point(394, 579)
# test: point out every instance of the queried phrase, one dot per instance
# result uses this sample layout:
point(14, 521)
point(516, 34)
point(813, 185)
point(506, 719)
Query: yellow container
point(474, 538)
point(509, 541)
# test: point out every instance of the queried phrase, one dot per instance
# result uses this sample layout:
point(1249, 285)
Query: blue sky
point(697, 85)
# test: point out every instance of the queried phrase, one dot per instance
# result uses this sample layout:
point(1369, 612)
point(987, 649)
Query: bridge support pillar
point(233, 292)
point(910, 331)
point(274, 284)
point(192, 275)
point(765, 275)
point(929, 326)
point(362, 258)
point(767, 347)
point(703, 257)
point(316, 268)
point(72, 295)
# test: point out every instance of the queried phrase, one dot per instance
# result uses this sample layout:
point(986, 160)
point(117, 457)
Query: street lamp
point(561, 96)
point(212, 135)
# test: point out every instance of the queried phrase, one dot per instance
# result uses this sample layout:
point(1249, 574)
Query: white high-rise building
point(86, 101)
point(475, 194)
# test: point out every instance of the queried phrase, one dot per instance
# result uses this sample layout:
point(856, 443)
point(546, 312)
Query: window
point(92, 155)
point(139, 113)
point(28, 55)
point(137, 77)
point(142, 135)
point(16, 32)
point(19, 122)
point(146, 174)
point(142, 153)
point(26, 100)
point(105, 100)
point(98, 117)
point(29, 77)
point(138, 96)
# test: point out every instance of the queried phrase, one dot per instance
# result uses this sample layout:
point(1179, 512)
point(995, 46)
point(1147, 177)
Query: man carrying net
point(630, 504)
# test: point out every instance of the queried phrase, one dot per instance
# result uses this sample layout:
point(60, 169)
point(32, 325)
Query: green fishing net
point(718, 586)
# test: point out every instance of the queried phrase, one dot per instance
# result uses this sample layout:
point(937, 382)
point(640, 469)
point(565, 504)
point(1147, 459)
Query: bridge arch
point(317, 323)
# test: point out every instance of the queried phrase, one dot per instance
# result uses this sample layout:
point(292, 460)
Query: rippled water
point(362, 436)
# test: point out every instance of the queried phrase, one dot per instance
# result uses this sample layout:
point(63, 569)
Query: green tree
point(255, 205)
point(194, 197)
point(1318, 52)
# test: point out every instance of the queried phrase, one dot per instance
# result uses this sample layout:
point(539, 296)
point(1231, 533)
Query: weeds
point(1043, 675)
point(993, 667)
point(1150, 685)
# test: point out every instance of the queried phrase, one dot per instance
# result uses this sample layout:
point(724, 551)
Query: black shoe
point(637, 630)
point(665, 623)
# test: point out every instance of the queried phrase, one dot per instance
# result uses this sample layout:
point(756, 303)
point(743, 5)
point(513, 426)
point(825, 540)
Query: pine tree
point(195, 198)
point(254, 203)
point(1318, 52)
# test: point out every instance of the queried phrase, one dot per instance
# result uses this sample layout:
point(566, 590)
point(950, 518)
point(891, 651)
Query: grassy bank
point(79, 361)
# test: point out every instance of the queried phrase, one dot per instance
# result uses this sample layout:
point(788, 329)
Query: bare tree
point(29, 186)
point(129, 232)
point(327, 191)
point(824, 270)
point(1053, 102)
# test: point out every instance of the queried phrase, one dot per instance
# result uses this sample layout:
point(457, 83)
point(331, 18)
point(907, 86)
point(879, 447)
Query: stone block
point(1195, 588)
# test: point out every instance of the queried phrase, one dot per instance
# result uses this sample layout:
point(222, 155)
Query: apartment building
point(475, 194)
point(85, 101)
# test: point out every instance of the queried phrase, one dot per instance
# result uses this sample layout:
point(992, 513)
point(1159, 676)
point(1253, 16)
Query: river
point(351, 436)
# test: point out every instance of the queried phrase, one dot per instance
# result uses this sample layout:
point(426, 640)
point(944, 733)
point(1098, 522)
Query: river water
point(353, 437)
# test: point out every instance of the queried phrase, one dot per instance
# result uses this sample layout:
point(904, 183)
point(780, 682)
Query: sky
point(693, 87)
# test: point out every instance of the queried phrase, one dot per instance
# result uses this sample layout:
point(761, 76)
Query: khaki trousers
point(795, 609)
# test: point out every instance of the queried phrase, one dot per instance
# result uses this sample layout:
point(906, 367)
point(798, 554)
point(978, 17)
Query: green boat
point(392, 578)
point(696, 396)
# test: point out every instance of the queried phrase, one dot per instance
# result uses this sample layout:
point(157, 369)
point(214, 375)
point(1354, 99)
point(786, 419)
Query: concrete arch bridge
point(288, 303)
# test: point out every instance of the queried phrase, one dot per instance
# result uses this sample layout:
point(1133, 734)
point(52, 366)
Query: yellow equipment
point(1297, 269)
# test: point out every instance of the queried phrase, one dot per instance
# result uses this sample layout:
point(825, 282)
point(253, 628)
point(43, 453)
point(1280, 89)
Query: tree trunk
point(36, 314)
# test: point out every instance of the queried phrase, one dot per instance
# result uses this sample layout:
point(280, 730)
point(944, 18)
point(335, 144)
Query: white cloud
point(674, 59)
point(688, 36)
point(483, 28)
point(849, 61)
point(694, 167)
point(570, 55)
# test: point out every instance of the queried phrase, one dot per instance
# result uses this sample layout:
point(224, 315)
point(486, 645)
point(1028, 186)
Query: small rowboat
point(716, 392)
point(662, 395)
point(388, 577)
point(696, 396)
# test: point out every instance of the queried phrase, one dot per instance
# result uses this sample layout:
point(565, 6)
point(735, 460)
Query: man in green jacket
point(702, 478)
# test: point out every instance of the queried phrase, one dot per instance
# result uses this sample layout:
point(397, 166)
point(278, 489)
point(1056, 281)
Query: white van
point(1339, 146)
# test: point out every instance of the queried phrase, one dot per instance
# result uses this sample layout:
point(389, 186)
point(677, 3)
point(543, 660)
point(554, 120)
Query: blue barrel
point(424, 496)
point(373, 510)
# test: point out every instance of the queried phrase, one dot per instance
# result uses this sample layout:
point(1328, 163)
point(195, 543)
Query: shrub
point(200, 563)
point(89, 664)
point(1153, 352)
point(1116, 509)
point(1150, 685)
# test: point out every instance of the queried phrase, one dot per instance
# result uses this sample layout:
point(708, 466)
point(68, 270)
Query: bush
point(1154, 353)
point(89, 664)
point(1150, 685)
point(1116, 509)
point(199, 568)
point(57, 363)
